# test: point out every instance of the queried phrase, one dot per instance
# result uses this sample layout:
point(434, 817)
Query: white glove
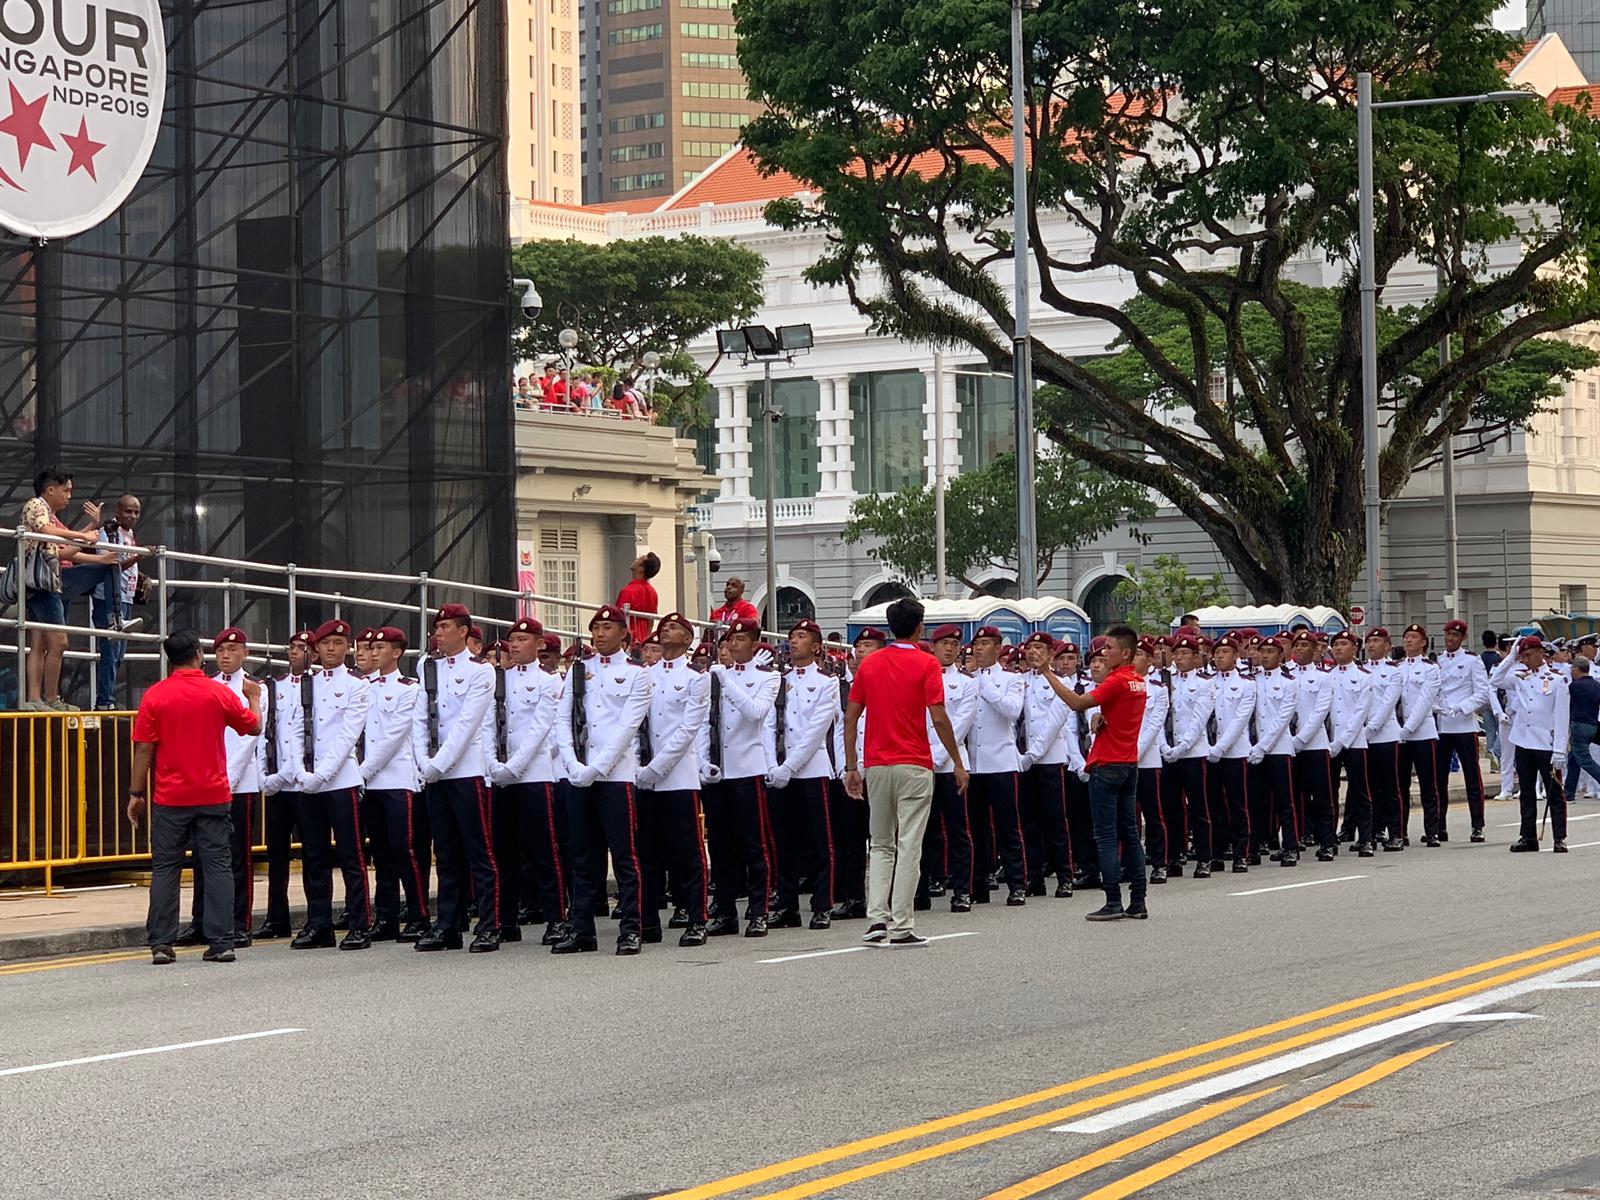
point(1214, 755)
point(584, 776)
point(1024, 762)
point(1084, 774)
point(501, 775)
point(306, 781)
point(432, 772)
point(646, 777)
point(1335, 749)
point(1257, 753)
point(1168, 753)
point(780, 776)
point(710, 774)
point(1558, 762)
point(1372, 732)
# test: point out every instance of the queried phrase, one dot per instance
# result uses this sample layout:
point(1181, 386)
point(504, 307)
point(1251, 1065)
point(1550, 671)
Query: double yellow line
point(1507, 969)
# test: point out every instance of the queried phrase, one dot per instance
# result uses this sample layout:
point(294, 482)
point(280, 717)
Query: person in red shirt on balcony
point(639, 596)
point(734, 607)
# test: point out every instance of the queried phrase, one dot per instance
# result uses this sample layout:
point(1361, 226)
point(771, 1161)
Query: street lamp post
point(1365, 107)
point(1021, 344)
point(651, 361)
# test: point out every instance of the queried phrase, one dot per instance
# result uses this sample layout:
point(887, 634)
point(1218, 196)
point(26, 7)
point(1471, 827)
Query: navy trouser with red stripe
point(462, 823)
point(1080, 828)
point(530, 852)
point(1314, 807)
point(670, 841)
point(1465, 747)
point(1383, 784)
point(1357, 794)
point(997, 794)
point(953, 863)
point(805, 844)
point(282, 818)
point(338, 814)
point(1274, 776)
point(1174, 816)
point(240, 838)
point(741, 845)
point(849, 817)
point(397, 824)
point(1421, 757)
point(1191, 776)
point(1230, 793)
point(602, 817)
point(1044, 821)
point(1156, 834)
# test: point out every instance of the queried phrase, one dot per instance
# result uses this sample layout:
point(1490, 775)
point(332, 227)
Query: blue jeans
point(111, 649)
point(1491, 733)
point(1579, 757)
point(1114, 804)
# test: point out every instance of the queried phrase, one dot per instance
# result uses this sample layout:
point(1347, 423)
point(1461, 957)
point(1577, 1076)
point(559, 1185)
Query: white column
point(733, 442)
point(833, 436)
point(952, 433)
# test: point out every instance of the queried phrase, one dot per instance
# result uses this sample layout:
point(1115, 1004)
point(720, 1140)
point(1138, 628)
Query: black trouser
point(1174, 815)
point(392, 818)
point(1114, 800)
point(1080, 828)
point(602, 817)
point(1280, 807)
point(935, 861)
point(741, 847)
point(1044, 821)
point(338, 814)
point(1421, 757)
point(953, 863)
point(997, 793)
point(1357, 795)
point(1465, 747)
point(282, 818)
point(1155, 822)
point(1230, 794)
point(803, 826)
point(1192, 781)
point(981, 822)
point(1532, 767)
point(670, 840)
point(462, 822)
point(207, 828)
point(1313, 787)
point(240, 839)
point(1383, 785)
point(1263, 800)
point(849, 844)
point(536, 842)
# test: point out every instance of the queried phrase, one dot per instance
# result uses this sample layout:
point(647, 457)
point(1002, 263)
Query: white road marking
point(1576, 983)
point(1361, 1039)
point(1466, 1018)
point(1581, 845)
point(938, 937)
point(97, 1058)
point(1285, 887)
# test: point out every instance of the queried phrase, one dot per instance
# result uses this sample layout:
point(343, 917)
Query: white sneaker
point(34, 706)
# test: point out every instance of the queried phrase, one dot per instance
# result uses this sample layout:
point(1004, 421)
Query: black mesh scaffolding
point(291, 342)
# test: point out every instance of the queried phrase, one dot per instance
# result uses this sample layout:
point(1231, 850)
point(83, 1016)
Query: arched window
point(793, 605)
point(886, 593)
point(1000, 586)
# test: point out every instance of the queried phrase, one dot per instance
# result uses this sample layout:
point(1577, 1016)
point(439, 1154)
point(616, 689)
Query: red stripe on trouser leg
point(411, 853)
point(827, 828)
point(633, 854)
point(1016, 808)
point(486, 821)
point(1161, 818)
point(361, 858)
point(555, 849)
point(966, 823)
point(763, 833)
point(1066, 826)
point(700, 848)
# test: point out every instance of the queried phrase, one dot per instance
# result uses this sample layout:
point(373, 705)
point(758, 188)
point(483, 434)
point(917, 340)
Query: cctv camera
point(714, 561)
point(529, 301)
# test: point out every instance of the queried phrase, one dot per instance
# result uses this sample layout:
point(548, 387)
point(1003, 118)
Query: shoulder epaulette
point(407, 679)
point(1325, 665)
point(769, 666)
point(478, 658)
point(1362, 668)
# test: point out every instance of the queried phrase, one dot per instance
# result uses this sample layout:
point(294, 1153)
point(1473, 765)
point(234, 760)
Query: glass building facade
point(292, 341)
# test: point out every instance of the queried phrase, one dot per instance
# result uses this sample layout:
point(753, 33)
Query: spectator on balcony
point(639, 596)
point(734, 606)
point(523, 396)
point(112, 604)
point(578, 393)
point(52, 492)
point(547, 389)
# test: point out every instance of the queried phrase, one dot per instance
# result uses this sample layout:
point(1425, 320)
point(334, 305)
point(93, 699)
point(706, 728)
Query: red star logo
point(83, 148)
point(23, 124)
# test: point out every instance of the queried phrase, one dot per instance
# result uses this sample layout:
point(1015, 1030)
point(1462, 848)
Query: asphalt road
point(719, 1072)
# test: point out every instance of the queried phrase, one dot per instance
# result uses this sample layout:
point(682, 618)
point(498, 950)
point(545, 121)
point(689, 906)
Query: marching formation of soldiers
point(698, 775)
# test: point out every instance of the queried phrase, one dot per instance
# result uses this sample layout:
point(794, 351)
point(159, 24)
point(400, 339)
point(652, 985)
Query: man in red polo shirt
point(1114, 773)
point(903, 688)
point(180, 727)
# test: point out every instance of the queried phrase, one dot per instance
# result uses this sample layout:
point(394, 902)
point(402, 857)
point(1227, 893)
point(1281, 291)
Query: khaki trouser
point(898, 799)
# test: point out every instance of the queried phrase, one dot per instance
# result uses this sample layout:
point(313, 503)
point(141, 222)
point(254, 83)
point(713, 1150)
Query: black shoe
point(629, 943)
point(1158, 874)
point(1393, 846)
point(485, 941)
point(907, 939)
point(936, 888)
point(439, 939)
point(162, 956)
point(1366, 850)
point(1430, 840)
point(213, 954)
point(1291, 858)
point(992, 881)
point(1254, 859)
point(921, 903)
point(1327, 853)
point(241, 939)
point(876, 932)
point(1136, 911)
point(858, 910)
point(981, 897)
point(1036, 888)
point(1525, 846)
point(1063, 889)
point(723, 927)
point(1477, 835)
point(960, 902)
point(1106, 912)
point(1561, 846)
point(651, 934)
point(1017, 898)
point(789, 918)
point(313, 939)
point(553, 933)
point(679, 918)
point(1240, 867)
point(385, 931)
point(693, 935)
point(266, 931)
point(510, 933)
point(342, 921)
point(572, 944)
point(413, 932)
point(840, 911)
point(1217, 864)
point(529, 916)
point(189, 935)
point(1175, 871)
point(1202, 871)
point(356, 939)
point(1444, 835)
point(756, 927)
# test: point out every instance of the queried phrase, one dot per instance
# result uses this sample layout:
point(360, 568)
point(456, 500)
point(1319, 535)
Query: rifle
point(780, 711)
point(430, 685)
point(714, 729)
point(269, 728)
point(579, 674)
point(308, 705)
point(1170, 719)
point(500, 714)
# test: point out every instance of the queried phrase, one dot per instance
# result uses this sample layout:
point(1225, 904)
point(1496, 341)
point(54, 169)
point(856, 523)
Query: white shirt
point(992, 741)
point(1044, 720)
point(533, 696)
point(339, 702)
point(746, 697)
point(1388, 687)
point(465, 693)
point(288, 736)
point(127, 568)
point(1276, 696)
point(243, 750)
point(1540, 708)
point(1420, 680)
point(1354, 690)
point(389, 762)
point(680, 703)
point(1463, 691)
point(1235, 703)
point(1194, 700)
point(616, 697)
point(810, 708)
point(1153, 726)
point(961, 706)
point(1313, 707)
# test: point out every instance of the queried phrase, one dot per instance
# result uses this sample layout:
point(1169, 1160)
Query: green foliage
point(1204, 151)
point(626, 298)
point(1076, 504)
point(1163, 590)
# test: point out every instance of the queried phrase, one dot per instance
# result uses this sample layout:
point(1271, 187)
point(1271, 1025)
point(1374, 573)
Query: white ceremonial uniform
point(1277, 693)
point(1044, 721)
point(1313, 704)
point(992, 742)
point(1388, 689)
point(810, 710)
point(1235, 703)
point(339, 702)
point(243, 750)
point(1153, 725)
point(961, 706)
point(747, 697)
point(1354, 690)
point(389, 762)
point(533, 696)
point(1464, 691)
point(1194, 700)
point(1420, 683)
point(465, 696)
point(680, 702)
point(616, 698)
point(288, 737)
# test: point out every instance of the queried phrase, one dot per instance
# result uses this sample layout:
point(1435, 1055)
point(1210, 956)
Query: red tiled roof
point(648, 204)
point(1573, 97)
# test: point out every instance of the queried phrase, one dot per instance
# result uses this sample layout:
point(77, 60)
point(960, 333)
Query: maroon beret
point(945, 631)
point(389, 636)
point(1455, 626)
point(989, 631)
point(453, 612)
point(333, 628)
point(526, 625)
point(231, 636)
point(608, 612)
point(676, 618)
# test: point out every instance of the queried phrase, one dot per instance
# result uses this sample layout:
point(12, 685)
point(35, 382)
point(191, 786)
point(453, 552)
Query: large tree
point(627, 298)
point(1076, 504)
point(1206, 152)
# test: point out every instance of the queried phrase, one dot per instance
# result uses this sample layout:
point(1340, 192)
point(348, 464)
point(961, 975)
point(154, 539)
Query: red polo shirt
point(1121, 697)
point(184, 715)
point(896, 686)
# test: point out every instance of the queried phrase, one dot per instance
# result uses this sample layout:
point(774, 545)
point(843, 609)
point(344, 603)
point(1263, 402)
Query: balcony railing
point(783, 511)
